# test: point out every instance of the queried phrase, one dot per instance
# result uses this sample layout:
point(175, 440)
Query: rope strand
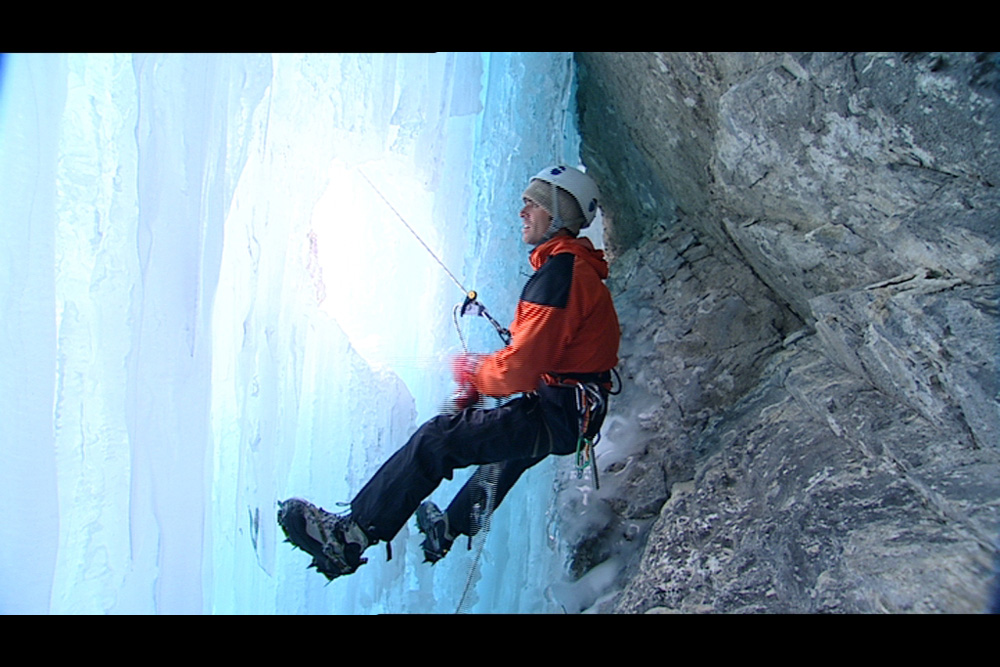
point(470, 296)
point(489, 474)
point(412, 231)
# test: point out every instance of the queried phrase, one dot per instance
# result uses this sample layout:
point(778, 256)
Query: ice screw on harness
point(588, 397)
point(585, 458)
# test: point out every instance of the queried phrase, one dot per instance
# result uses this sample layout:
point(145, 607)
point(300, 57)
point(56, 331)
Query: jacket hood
point(581, 247)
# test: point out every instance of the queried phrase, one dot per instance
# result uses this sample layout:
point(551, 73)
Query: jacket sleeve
point(540, 332)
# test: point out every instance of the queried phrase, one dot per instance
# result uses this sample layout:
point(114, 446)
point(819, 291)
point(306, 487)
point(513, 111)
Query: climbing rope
point(488, 475)
point(482, 516)
point(417, 236)
point(471, 305)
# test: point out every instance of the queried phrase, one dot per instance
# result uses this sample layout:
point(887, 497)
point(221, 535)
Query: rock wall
point(804, 260)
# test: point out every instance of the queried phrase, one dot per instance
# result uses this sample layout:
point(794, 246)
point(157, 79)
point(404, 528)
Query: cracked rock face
point(804, 261)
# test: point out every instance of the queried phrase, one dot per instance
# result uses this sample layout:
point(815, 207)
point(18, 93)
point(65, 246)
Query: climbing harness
point(591, 390)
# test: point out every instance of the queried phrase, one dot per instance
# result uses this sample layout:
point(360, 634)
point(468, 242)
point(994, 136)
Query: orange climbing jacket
point(565, 321)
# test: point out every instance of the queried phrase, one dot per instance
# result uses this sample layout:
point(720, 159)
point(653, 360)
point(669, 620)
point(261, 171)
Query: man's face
point(534, 222)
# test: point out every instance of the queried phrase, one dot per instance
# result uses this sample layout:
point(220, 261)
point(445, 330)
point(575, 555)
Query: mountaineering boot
point(434, 525)
point(335, 542)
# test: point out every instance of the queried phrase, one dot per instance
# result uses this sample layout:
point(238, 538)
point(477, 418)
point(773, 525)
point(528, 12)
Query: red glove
point(463, 368)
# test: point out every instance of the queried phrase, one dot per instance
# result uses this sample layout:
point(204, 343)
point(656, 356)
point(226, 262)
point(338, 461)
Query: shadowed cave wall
point(804, 260)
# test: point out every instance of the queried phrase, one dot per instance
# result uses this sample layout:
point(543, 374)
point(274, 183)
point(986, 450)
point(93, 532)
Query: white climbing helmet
point(578, 184)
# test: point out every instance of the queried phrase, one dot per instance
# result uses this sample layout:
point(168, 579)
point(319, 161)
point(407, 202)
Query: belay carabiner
point(472, 307)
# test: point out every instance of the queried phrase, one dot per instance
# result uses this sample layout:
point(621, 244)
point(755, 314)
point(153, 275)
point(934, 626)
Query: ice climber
point(564, 344)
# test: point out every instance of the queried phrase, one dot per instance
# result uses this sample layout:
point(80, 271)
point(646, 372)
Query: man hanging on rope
point(564, 344)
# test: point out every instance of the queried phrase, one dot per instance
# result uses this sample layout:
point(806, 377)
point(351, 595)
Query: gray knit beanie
point(570, 215)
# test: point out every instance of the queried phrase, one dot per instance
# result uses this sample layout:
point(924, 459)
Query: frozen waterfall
point(206, 309)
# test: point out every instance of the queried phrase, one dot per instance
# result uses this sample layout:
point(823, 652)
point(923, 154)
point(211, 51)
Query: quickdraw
point(472, 307)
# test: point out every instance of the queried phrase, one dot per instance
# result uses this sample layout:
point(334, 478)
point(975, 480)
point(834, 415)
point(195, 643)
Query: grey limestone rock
point(804, 252)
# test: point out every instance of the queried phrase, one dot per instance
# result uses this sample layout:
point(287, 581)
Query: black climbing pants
point(518, 434)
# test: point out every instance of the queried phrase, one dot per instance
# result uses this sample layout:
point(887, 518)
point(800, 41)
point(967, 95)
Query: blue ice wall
point(28, 159)
point(207, 308)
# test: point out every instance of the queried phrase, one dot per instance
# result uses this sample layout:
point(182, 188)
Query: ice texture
point(207, 308)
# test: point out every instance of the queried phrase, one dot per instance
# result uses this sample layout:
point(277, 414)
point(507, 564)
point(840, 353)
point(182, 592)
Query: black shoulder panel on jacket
point(551, 282)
